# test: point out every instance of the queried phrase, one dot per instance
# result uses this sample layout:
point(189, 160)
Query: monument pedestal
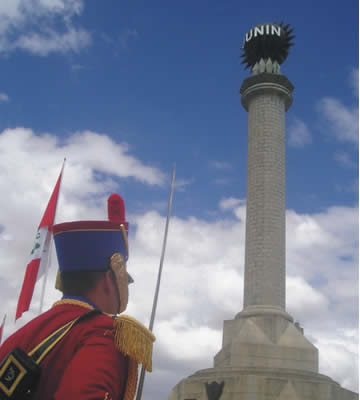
point(261, 384)
point(265, 340)
point(264, 356)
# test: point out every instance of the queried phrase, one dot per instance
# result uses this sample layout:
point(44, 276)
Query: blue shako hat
point(89, 245)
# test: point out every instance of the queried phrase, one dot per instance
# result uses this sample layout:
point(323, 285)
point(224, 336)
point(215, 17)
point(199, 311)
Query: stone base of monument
point(266, 337)
point(264, 356)
point(260, 384)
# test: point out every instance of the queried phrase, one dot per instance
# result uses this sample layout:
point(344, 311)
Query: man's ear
point(108, 281)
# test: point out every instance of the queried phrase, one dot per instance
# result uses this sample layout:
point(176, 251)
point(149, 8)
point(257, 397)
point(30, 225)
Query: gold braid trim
point(134, 340)
point(123, 231)
point(74, 303)
point(132, 378)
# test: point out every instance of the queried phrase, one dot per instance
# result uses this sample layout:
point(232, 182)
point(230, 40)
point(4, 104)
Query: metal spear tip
point(130, 279)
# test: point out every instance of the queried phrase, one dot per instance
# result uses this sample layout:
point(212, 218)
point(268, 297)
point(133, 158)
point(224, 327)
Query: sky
point(126, 89)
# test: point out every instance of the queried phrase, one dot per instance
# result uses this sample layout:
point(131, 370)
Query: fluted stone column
point(266, 97)
point(264, 355)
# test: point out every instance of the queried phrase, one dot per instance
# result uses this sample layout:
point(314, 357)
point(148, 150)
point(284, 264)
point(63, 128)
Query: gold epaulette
point(133, 339)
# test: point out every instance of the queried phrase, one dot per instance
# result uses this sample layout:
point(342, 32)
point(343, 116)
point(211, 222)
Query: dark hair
point(79, 283)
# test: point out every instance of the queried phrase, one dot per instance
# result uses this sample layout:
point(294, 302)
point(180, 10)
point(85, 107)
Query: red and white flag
point(39, 255)
point(2, 327)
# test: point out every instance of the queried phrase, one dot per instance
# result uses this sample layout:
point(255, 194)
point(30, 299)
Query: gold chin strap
point(123, 231)
point(58, 284)
point(118, 265)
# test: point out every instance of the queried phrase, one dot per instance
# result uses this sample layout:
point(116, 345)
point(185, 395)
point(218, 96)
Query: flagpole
point(45, 278)
point(2, 328)
point(153, 312)
point(48, 259)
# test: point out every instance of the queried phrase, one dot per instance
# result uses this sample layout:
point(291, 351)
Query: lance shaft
point(153, 312)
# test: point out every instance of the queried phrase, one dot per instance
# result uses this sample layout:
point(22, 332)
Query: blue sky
point(126, 89)
point(165, 78)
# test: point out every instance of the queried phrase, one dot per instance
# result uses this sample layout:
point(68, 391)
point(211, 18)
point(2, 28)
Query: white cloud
point(51, 41)
point(343, 122)
point(180, 184)
point(354, 81)
point(301, 296)
point(202, 282)
point(344, 159)
point(222, 181)
point(204, 340)
point(30, 25)
point(299, 134)
point(30, 163)
point(23, 11)
point(10, 8)
point(307, 232)
point(84, 150)
point(338, 355)
point(4, 97)
point(77, 67)
point(319, 236)
point(127, 35)
point(237, 206)
point(230, 203)
point(220, 164)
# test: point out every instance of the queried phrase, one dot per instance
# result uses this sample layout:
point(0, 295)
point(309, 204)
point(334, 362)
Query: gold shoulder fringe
point(134, 339)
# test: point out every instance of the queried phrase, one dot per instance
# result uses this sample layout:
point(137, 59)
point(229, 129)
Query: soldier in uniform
point(98, 358)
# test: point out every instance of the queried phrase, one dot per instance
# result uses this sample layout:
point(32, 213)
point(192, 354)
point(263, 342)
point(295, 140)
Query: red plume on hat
point(116, 213)
point(116, 208)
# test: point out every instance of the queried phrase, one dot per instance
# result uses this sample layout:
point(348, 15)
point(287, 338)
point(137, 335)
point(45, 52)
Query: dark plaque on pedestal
point(214, 390)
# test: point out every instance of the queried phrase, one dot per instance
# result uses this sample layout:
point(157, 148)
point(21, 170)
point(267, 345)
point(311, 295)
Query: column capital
point(264, 83)
point(263, 310)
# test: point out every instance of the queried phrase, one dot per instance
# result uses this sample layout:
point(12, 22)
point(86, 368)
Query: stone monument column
point(264, 354)
point(266, 97)
point(263, 335)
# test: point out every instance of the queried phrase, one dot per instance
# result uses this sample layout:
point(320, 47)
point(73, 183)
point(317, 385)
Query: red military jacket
point(86, 363)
